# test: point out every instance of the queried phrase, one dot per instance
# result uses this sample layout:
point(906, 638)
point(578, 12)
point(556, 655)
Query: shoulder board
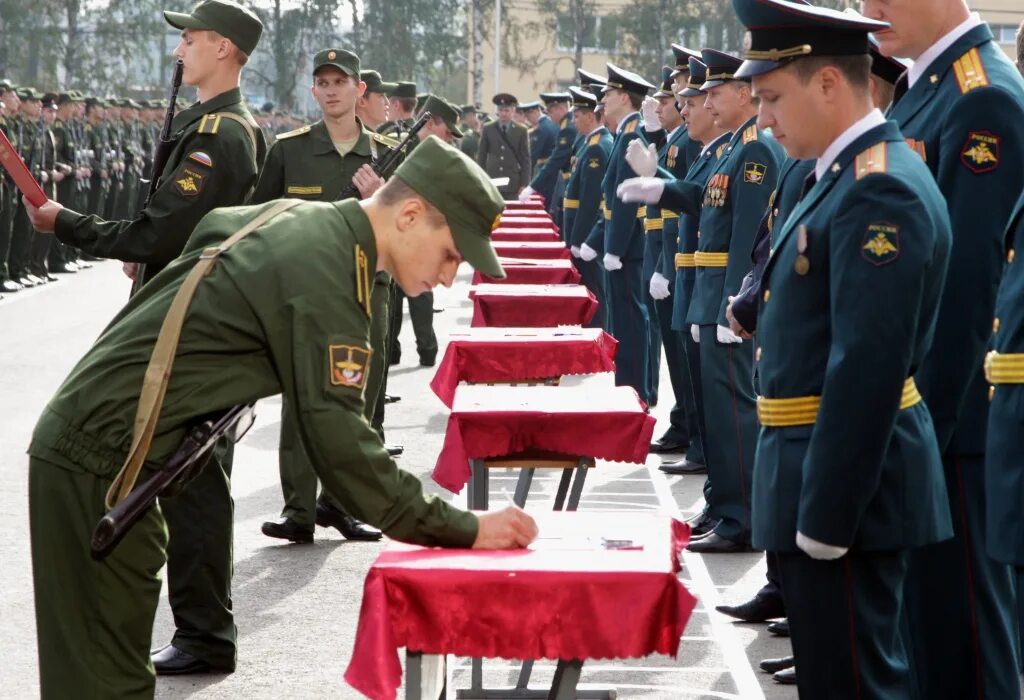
point(296, 132)
point(630, 128)
point(596, 138)
point(873, 160)
point(970, 74)
point(750, 133)
point(721, 149)
point(384, 140)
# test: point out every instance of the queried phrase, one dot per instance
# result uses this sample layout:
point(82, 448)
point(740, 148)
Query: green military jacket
point(305, 164)
point(286, 310)
point(470, 142)
point(214, 163)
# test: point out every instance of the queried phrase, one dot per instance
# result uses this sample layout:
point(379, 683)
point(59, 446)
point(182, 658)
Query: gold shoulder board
point(296, 132)
point(750, 133)
point(970, 74)
point(873, 160)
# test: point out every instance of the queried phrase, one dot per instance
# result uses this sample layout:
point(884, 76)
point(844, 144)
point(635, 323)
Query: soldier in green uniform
point(218, 149)
point(9, 195)
point(98, 151)
point(32, 142)
point(471, 126)
point(61, 256)
point(51, 174)
point(112, 209)
point(401, 109)
point(285, 310)
point(319, 162)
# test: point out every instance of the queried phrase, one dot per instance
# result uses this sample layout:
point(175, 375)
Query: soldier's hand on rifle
point(43, 218)
point(367, 181)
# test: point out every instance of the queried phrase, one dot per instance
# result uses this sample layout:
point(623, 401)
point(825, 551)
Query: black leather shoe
point(287, 529)
point(716, 544)
point(786, 676)
point(65, 269)
point(661, 446)
point(10, 286)
point(352, 529)
point(390, 398)
point(83, 263)
point(776, 665)
point(171, 661)
point(758, 609)
point(394, 450)
point(701, 525)
point(394, 360)
point(683, 467)
point(779, 629)
point(427, 361)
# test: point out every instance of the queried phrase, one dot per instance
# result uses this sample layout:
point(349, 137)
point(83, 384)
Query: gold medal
point(802, 265)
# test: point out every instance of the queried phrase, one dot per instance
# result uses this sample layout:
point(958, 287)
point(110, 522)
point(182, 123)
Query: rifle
point(186, 462)
point(389, 161)
point(165, 145)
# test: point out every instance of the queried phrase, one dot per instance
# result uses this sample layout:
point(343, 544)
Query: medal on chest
point(802, 264)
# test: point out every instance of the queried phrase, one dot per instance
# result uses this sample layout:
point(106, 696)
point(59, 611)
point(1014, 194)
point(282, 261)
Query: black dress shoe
point(683, 467)
point(394, 360)
point(287, 529)
point(701, 526)
point(394, 450)
point(661, 446)
point(65, 269)
point(427, 361)
point(27, 281)
point(779, 629)
point(776, 665)
point(389, 398)
point(171, 661)
point(352, 529)
point(83, 263)
point(786, 676)
point(716, 544)
point(759, 609)
point(10, 286)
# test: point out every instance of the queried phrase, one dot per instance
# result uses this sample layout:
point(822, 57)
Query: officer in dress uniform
point(550, 177)
point(505, 148)
point(214, 163)
point(730, 207)
point(583, 195)
point(961, 107)
point(543, 133)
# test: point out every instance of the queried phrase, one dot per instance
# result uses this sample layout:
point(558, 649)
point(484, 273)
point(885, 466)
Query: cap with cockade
point(721, 67)
point(227, 18)
point(504, 99)
point(698, 75)
point(550, 98)
point(463, 192)
point(582, 98)
point(682, 56)
point(666, 83)
point(374, 83)
point(445, 111)
point(590, 80)
point(622, 79)
point(345, 61)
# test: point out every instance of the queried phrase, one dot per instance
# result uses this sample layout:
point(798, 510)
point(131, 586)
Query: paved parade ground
point(297, 605)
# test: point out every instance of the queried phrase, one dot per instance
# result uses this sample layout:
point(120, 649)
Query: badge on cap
point(331, 55)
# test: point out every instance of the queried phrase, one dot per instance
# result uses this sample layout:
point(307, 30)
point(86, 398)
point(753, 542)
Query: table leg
point(577, 485)
point(524, 674)
point(477, 489)
point(563, 488)
point(523, 486)
point(567, 676)
point(476, 674)
point(413, 675)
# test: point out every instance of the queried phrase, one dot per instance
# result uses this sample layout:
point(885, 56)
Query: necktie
point(809, 182)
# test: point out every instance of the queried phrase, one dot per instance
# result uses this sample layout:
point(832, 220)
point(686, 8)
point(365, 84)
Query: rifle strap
point(161, 361)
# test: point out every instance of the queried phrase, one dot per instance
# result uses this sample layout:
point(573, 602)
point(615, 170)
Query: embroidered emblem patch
point(189, 183)
point(754, 172)
point(201, 158)
point(349, 365)
point(881, 243)
point(980, 152)
point(594, 163)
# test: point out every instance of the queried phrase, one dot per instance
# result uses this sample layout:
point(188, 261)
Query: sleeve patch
point(349, 365)
point(594, 163)
point(881, 243)
point(188, 182)
point(980, 152)
point(202, 158)
point(754, 172)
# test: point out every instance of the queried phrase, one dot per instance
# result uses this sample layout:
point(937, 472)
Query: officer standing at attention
point(961, 106)
point(214, 163)
point(319, 162)
point(543, 134)
point(471, 126)
point(549, 179)
point(505, 148)
point(730, 207)
point(285, 309)
point(9, 194)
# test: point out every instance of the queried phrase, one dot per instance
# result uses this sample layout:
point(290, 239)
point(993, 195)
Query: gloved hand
point(641, 189)
point(526, 194)
point(44, 177)
point(649, 110)
point(643, 159)
point(575, 250)
point(819, 550)
point(587, 253)
point(695, 332)
point(726, 336)
point(612, 262)
point(659, 286)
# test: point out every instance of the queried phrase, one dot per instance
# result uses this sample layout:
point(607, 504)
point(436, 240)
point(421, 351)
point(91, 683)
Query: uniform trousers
point(651, 255)
point(693, 400)
point(630, 324)
point(592, 277)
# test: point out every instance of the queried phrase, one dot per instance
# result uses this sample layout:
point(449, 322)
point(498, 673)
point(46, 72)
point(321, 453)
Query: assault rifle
point(390, 160)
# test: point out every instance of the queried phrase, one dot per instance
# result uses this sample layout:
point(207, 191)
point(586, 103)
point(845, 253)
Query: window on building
point(598, 35)
point(1005, 33)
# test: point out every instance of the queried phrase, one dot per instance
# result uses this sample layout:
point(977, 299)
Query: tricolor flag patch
point(201, 158)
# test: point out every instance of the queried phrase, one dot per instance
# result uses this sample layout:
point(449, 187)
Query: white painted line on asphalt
point(734, 653)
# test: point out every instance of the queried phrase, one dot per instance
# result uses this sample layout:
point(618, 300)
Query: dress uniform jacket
point(674, 158)
point(582, 202)
point(214, 163)
point(505, 155)
point(556, 168)
point(623, 236)
point(543, 139)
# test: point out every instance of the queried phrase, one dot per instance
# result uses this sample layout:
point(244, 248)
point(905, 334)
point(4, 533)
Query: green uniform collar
point(198, 109)
point(322, 140)
point(362, 231)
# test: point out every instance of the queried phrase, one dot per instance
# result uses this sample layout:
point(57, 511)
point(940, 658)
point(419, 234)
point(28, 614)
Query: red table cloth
point(522, 235)
point(531, 305)
point(494, 421)
point(510, 354)
point(526, 271)
point(534, 204)
point(526, 221)
point(532, 249)
point(566, 597)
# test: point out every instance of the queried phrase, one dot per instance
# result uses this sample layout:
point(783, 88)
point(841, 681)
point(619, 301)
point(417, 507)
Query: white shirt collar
point(714, 142)
point(618, 129)
point(673, 133)
point(924, 61)
point(862, 126)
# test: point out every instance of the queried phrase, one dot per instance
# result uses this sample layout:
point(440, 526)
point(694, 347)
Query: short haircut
point(856, 69)
point(635, 100)
point(396, 190)
point(408, 103)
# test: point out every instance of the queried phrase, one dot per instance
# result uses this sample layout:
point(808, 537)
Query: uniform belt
point(570, 203)
point(685, 260)
point(1004, 368)
point(641, 212)
point(803, 410)
point(704, 259)
point(654, 224)
point(665, 214)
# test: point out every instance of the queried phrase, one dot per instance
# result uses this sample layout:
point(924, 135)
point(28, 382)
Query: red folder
point(20, 173)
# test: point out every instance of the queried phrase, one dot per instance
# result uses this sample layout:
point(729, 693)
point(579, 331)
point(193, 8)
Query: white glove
point(819, 550)
point(695, 332)
point(643, 159)
point(641, 189)
point(659, 286)
point(726, 336)
point(587, 253)
point(612, 262)
point(44, 177)
point(649, 109)
point(526, 194)
point(576, 252)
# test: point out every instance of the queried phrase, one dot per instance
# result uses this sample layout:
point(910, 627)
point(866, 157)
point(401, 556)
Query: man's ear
point(408, 213)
